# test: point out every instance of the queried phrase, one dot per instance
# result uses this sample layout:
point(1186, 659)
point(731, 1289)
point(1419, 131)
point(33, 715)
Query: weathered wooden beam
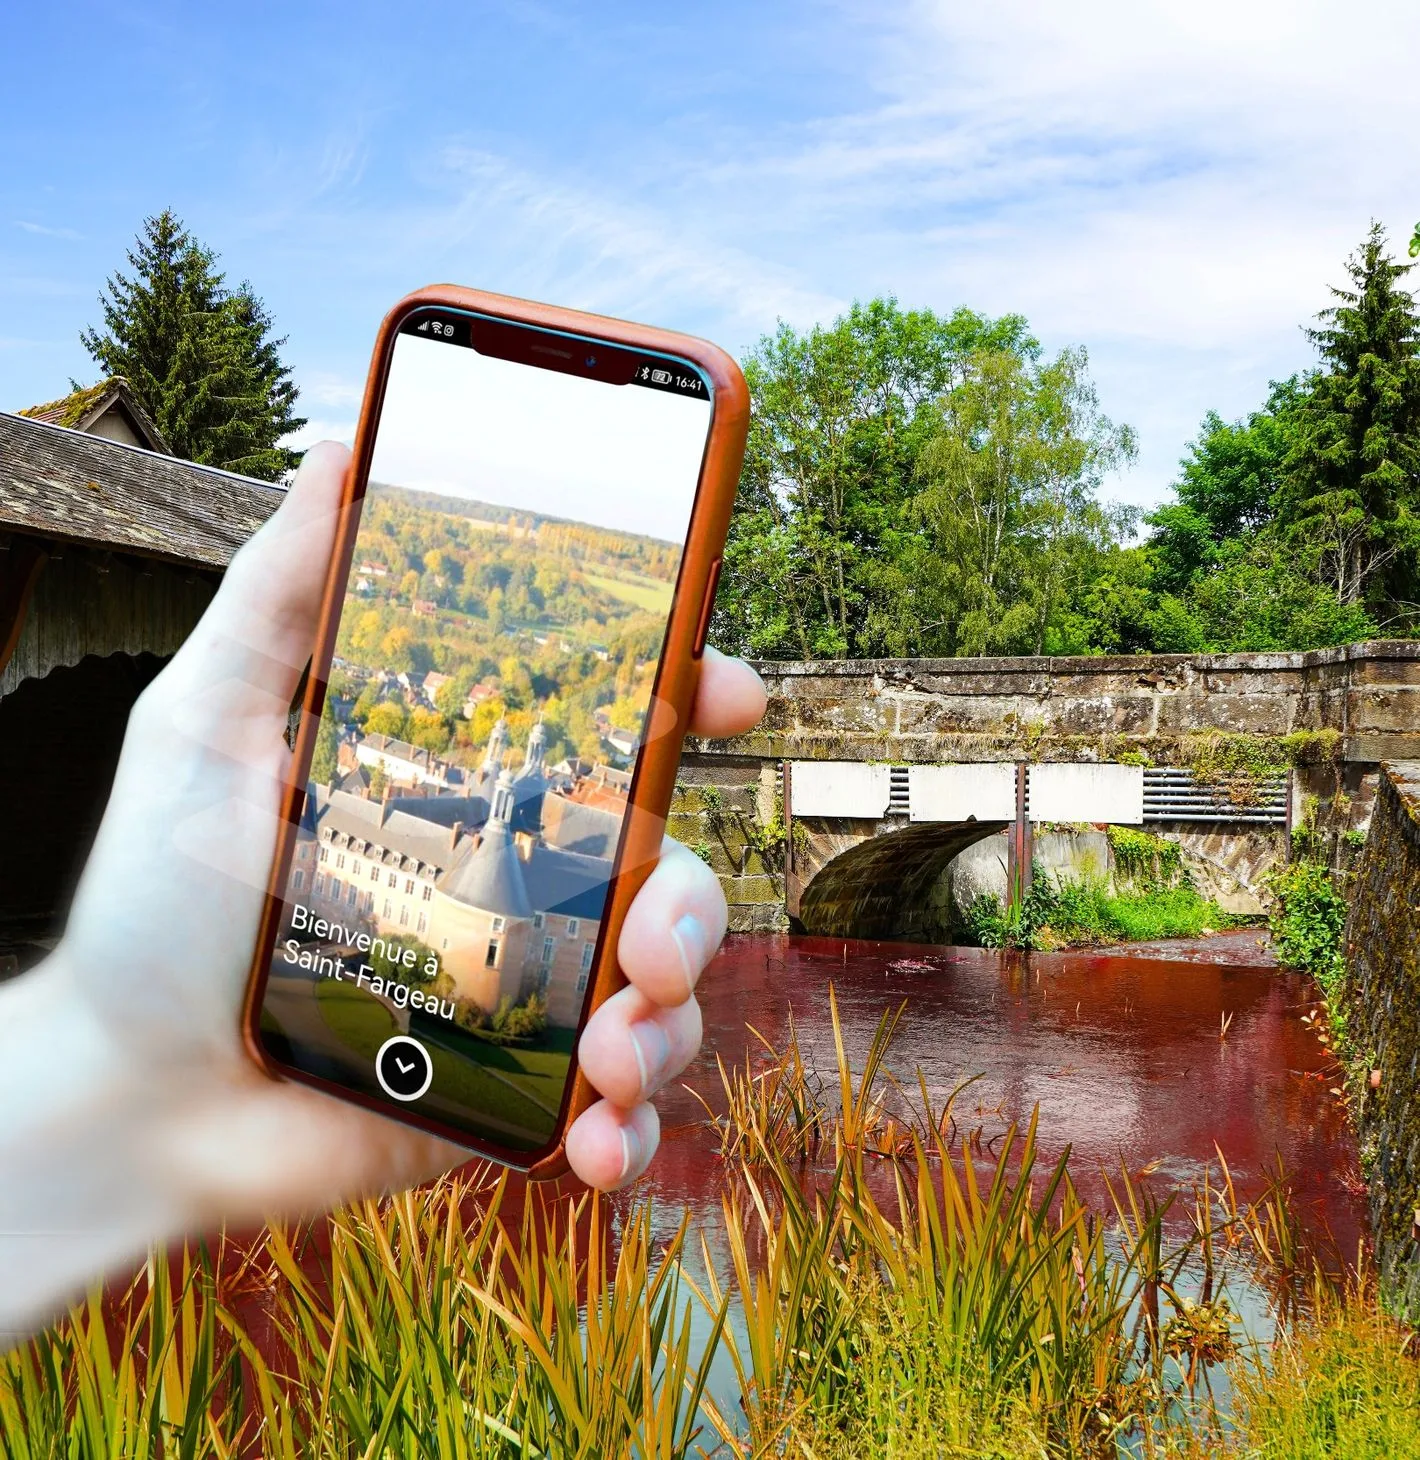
point(22, 560)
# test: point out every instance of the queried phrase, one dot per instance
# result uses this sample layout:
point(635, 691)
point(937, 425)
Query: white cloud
point(325, 388)
point(614, 253)
point(45, 231)
point(340, 429)
point(1173, 186)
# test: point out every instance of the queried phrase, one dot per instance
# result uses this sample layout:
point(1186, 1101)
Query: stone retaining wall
point(716, 804)
point(1383, 947)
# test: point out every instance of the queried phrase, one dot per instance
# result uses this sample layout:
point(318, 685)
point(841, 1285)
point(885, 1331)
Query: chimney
point(454, 832)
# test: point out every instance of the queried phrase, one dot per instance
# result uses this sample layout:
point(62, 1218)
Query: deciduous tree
point(840, 415)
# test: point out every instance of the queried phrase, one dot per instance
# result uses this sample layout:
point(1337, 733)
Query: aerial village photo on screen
point(465, 800)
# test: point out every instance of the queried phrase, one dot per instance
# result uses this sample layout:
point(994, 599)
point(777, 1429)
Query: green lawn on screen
point(362, 1024)
point(541, 1071)
point(648, 593)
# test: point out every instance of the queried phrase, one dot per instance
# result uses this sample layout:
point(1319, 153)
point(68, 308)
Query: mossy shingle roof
point(66, 484)
point(82, 407)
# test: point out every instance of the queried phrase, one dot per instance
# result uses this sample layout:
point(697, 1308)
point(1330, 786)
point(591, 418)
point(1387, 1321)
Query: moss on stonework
point(1242, 764)
point(1383, 967)
point(722, 826)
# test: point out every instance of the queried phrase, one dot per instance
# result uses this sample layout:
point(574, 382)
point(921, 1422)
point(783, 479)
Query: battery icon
point(661, 377)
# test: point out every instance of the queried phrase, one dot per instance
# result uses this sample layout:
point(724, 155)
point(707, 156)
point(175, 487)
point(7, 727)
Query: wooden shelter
point(110, 549)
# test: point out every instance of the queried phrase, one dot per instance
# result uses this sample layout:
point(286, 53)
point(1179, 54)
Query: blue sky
point(1172, 186)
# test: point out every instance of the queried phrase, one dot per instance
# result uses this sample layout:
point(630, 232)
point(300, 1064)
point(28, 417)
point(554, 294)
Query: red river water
point(1119, 1048)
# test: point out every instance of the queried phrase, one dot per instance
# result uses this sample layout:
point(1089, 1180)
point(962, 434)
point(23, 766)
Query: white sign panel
point(1091, 793)
point(839, 788)
point(961, 792)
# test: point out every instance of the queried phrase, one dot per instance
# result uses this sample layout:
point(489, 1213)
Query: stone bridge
point(912, 783)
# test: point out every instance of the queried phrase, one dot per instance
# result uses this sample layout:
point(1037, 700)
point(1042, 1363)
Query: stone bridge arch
point(1326, 718)
point(871, 879)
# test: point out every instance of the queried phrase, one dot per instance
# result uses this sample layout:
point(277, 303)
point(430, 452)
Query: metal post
point(787, 778)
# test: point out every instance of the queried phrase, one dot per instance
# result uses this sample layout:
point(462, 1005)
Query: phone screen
point(518, 549)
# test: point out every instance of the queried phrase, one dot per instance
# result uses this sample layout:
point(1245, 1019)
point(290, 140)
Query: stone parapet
point(922, 710)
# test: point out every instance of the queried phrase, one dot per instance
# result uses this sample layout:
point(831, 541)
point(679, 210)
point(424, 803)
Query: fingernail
point(693, 946)
point(652, 1048)
point(630, 1150)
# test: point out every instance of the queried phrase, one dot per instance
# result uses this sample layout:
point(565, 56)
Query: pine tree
point(200, 357)
point(1351, 501)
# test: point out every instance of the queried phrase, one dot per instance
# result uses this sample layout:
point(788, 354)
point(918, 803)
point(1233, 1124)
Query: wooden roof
point(62, 483)
point(82, 408)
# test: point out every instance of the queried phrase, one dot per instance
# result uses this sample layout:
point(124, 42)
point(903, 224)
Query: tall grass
point(886, 1289)
point(168, 1383)
point(430, 1330)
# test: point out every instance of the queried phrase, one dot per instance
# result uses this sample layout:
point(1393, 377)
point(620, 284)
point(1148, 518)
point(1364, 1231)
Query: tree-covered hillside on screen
point(459, 613)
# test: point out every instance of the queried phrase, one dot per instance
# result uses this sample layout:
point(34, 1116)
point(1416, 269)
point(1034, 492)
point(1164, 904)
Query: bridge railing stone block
point(1270, 714)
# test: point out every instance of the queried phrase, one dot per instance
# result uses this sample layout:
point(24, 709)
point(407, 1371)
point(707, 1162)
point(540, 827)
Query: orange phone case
point(672, 694)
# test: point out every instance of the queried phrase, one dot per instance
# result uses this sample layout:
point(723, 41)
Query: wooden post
point(1021, 847)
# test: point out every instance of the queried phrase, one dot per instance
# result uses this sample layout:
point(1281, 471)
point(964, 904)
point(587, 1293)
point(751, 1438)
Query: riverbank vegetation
point(893, 1287)
point(1150, 896)
point(1068, 912)
point(925, 484)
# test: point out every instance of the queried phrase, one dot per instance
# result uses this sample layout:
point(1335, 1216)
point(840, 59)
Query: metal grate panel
point(1171, 794)
point(898, 791)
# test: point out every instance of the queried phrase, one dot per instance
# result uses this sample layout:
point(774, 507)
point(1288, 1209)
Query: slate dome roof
point(491, 876)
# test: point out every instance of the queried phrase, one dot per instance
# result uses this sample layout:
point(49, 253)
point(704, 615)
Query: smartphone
point(508, 652)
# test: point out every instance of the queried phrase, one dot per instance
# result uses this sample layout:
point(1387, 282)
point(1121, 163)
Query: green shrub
point(527, 1020)
point(426, 967)
point(713, 803)
point(509, 1023)
point(1308, 920)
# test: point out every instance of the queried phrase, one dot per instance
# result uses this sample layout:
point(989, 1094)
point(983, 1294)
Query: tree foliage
point(915, 483)
point(325, 759)
point(841, 414)
point(1296, 527)
point(926, 485)
point(200, 357)
point(1010, 529)
point(1351, 501)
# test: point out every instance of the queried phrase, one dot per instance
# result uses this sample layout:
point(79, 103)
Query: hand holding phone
point(508, 651)
point(130, 1114)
